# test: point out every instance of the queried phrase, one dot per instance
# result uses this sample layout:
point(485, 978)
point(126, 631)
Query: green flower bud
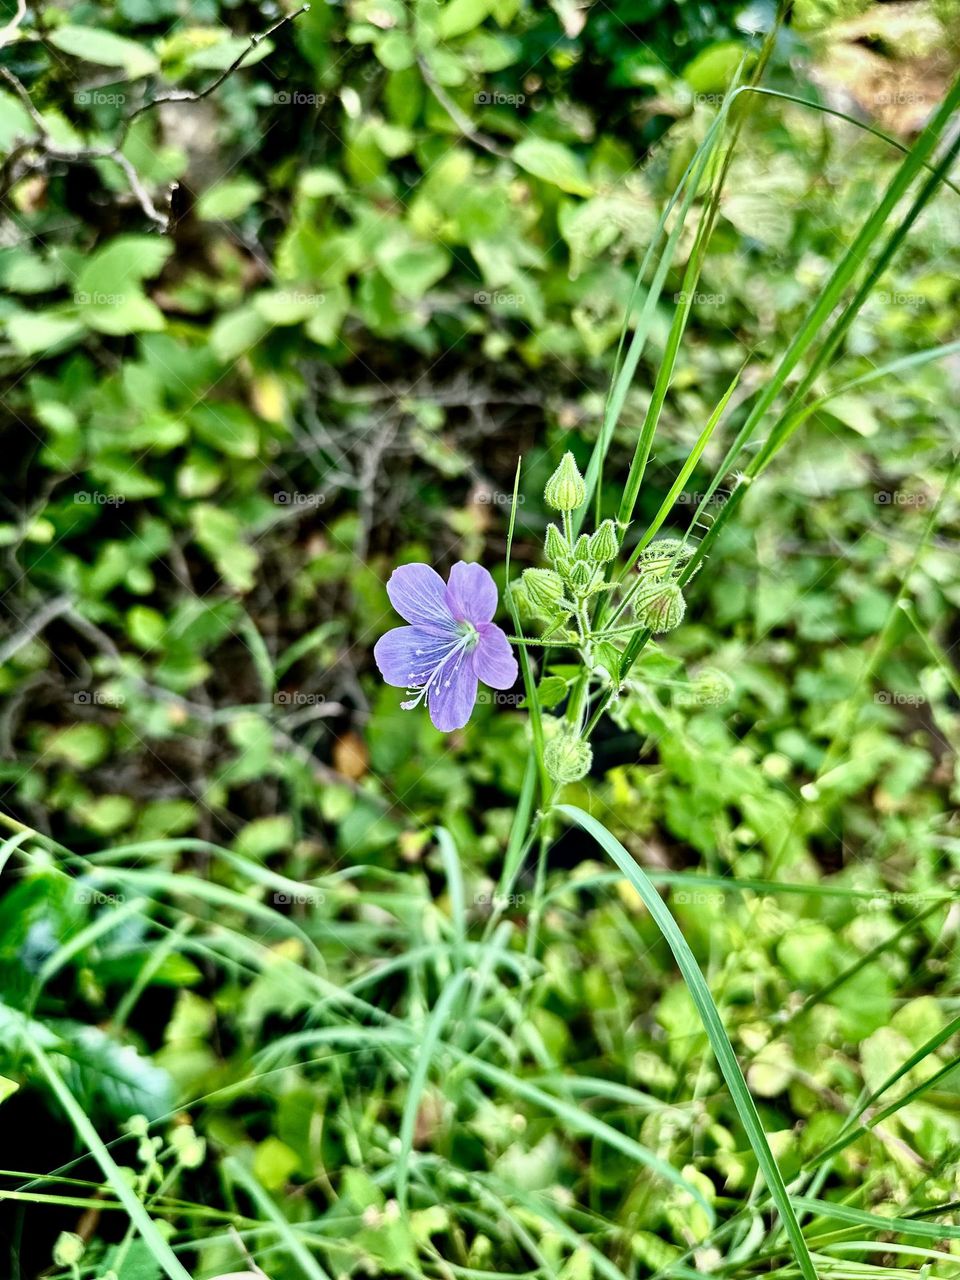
point(660, 606)
point(603, 544)
point(555, 544)
point(565, 489)
point(656, 559)
point(190, 1148)
point(544, 590)
point(68, 1249)
point(520, 599)
point(581, 548)
point(581, 575)
point(567, 756)
point(709, 688)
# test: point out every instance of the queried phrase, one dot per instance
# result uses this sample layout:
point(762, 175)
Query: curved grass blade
point(713, 1024)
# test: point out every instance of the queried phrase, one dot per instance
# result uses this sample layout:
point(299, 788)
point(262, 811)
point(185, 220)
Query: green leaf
point(554, 163)
point(228, 199)
point(103, 47)
point(460, 16)
point(32, 333)
point(108, 1078)
point(220, 534)
point(412, 267)
point(79, 745)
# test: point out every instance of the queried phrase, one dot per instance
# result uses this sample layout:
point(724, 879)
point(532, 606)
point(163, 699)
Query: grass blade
point(713, 1024)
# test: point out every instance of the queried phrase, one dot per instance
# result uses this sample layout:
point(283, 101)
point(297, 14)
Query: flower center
point(471, 636)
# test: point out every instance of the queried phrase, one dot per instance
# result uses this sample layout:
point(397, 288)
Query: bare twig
point(33, 626)
point(195, 95)
point(459, 118)
point(46, 149)
point(8, 32)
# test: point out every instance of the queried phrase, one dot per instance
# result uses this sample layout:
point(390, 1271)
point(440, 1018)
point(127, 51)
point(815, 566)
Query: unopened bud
point(660, 606)
point(544, 590)
point(565, 490)
point(709, 688)
point(68, 1249)
point(555, 544)
point(581, 548)
point(603, 544)
point(656, 560)
point(567, 757)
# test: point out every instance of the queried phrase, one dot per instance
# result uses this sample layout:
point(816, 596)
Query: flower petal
point(493, 659)
point(405, 655)
point(418, 594)
point(471, 594)
point(451, 699)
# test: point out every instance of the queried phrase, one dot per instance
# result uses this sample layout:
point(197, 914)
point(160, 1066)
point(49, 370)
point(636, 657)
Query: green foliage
point(271, 950)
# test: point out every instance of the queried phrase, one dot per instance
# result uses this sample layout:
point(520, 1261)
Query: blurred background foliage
point(260, 344)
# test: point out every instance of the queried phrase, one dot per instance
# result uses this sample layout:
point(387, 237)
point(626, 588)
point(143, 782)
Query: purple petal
point(418, 594)
point(493, 659)
point(451, 699)
point(405, 654)
point(471, 593)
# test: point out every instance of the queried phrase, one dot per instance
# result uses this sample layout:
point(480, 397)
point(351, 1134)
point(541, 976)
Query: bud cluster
point(577, 572)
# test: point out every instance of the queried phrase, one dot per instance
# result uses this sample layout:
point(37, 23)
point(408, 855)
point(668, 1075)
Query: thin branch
point(195, 95)
point(459, 118)
point(12, 28)
point(48, 149)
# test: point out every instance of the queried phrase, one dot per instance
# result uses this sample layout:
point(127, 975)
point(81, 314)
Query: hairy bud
point(655, 560)
point(660, 606)
point(567, 757)
point(544, 590)
point(565, 489)
point(555, 544)
point(603, 543)
point(708, 688)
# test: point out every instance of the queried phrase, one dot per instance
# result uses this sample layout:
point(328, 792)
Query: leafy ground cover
point(285, 982)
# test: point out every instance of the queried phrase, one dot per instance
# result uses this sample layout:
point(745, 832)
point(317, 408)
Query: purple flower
point(451, 642)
